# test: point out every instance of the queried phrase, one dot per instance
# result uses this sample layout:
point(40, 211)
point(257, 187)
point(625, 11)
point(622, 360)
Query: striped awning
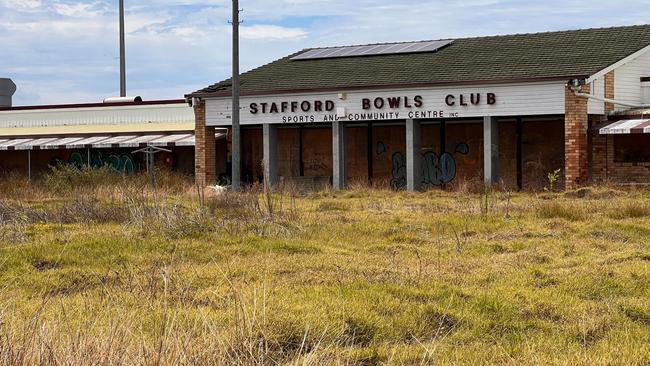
point(100, 142)
point(626, 126)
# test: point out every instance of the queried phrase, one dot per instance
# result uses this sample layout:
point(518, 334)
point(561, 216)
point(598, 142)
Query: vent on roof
point(7, 90)
point(373, 50)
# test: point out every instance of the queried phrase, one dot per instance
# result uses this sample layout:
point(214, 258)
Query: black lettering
point(305, 106)
point(410, 114)
point(318, 106)
point(394, 102)
point(462, 100)
point(365, 103)
point(491, 98)
point(418, 101)
point(253, 107)
point(294, 106)
point(450, 100)
point(379, 103)
point(406, 103)
point(475, 98)
point(311, 118)
point(284, 106)
point(274, 108)
point(329, 105)
point(264, 107)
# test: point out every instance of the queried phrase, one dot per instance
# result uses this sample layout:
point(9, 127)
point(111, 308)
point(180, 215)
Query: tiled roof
point(551, 55)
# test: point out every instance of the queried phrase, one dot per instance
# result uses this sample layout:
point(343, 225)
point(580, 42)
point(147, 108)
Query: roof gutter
point(575, 86)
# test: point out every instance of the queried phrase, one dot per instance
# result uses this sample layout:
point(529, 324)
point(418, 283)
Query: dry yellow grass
point(106, 275)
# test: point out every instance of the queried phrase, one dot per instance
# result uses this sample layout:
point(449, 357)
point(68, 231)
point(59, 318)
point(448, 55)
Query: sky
point(66, 51)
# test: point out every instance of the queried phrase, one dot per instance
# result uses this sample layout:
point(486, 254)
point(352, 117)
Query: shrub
point(66, 179)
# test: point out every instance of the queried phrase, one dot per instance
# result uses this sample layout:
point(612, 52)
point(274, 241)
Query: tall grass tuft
point(558, 210)
point(630, 210)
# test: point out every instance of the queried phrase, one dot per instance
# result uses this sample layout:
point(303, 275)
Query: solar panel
point(373, 49)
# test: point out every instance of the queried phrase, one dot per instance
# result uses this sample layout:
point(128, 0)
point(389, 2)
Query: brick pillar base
point(599, 161)
point(575, 139)
point(205, 151)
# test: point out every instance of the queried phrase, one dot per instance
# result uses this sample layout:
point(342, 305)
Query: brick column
point(575, 138)
point(205, 151)
point(599, 147)
point(609, 91)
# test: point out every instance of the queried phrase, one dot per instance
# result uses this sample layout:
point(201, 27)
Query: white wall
point(597, 89)
point(627, 85)
point(511, 100)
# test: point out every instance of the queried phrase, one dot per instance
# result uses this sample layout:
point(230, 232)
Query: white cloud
point(76, 10)
point(271, 32)
point(67, 51)
point(22, 4)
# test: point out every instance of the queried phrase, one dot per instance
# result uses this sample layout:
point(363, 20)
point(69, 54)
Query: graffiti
point(315, 165)
point(122, 163)
point(435, 170)
point(381, 148)
point(462, 148)
point(399, 171)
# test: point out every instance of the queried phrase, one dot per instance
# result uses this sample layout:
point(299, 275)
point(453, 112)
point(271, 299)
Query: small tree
point(552, 178)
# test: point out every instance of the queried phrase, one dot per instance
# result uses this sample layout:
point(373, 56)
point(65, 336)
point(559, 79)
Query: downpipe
point(575, 87)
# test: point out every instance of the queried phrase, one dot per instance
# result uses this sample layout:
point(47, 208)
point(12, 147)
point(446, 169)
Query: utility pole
point(122, 53)
point(236, 136)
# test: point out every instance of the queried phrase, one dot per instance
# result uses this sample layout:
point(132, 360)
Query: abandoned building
point(34, 138)
point(503, 110)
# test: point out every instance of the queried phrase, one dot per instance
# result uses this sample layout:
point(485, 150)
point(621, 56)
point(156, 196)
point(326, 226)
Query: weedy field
point(96, 269)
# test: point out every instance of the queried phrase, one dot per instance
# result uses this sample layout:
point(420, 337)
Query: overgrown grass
point(111, 273)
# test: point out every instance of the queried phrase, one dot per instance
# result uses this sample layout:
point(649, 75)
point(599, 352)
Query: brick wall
point(575, 138)
point(206, 165)
point(609, 169)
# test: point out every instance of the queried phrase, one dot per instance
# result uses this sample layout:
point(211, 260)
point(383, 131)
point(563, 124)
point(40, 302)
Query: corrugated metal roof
point(115, 118)
point(97, 129)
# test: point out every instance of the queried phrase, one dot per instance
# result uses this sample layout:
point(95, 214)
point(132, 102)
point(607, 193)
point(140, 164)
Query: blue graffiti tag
point(122, 163)
point(435, 170)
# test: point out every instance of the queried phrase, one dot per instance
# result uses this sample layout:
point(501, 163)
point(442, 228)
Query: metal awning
point(626, 126)
point(99, 142)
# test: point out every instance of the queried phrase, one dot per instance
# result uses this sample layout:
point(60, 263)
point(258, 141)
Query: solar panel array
point(373, 50)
